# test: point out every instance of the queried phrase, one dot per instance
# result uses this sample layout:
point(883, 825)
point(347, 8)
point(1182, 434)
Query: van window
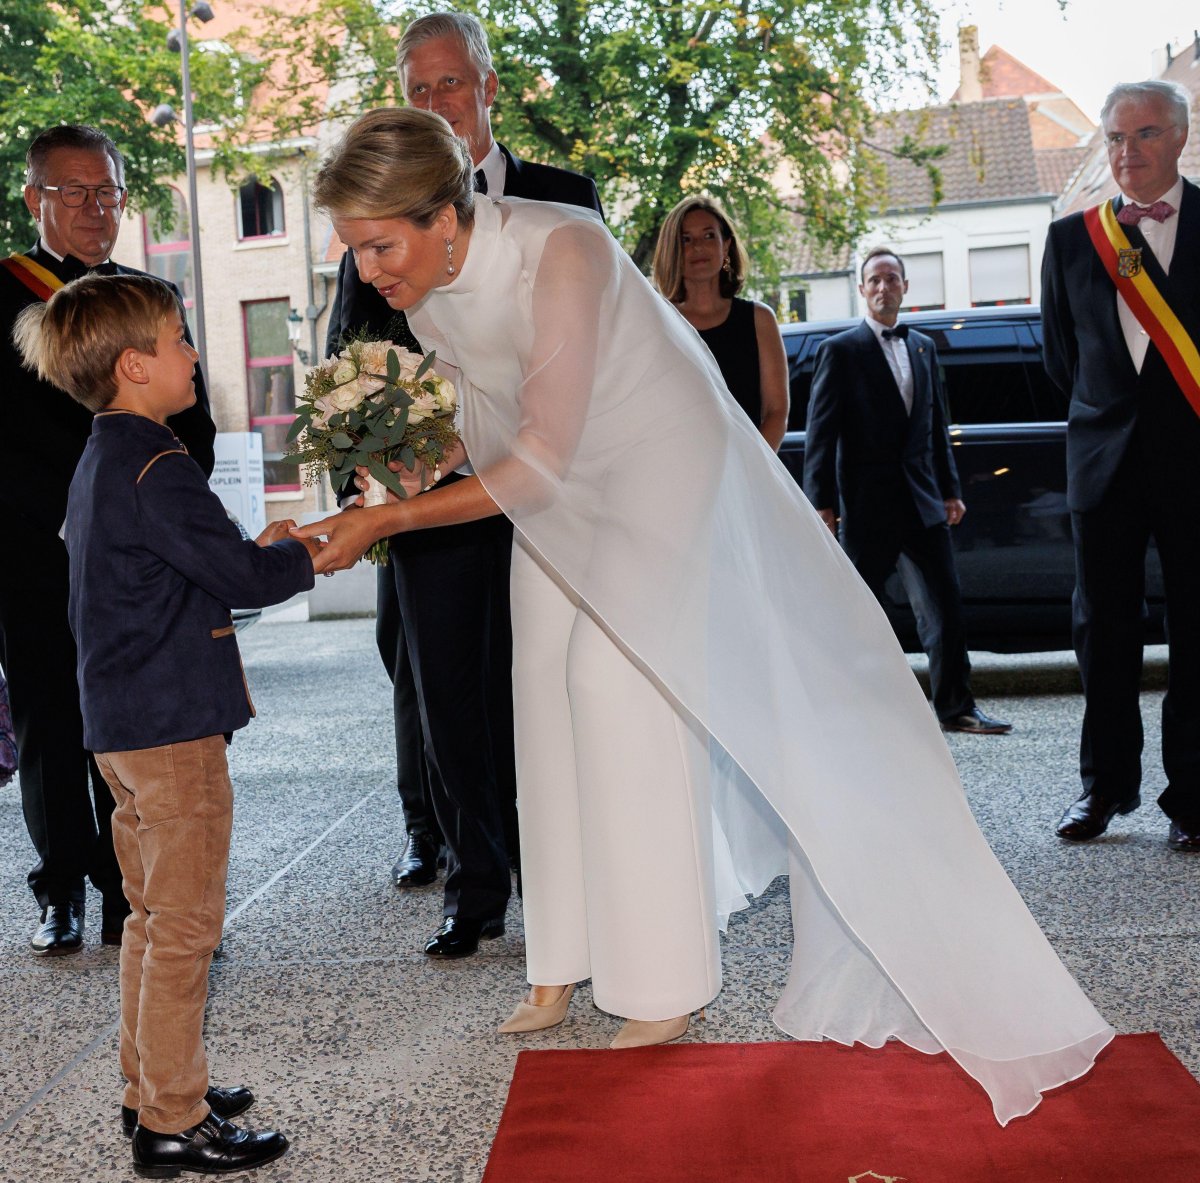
point(982, 372)
point(800, 373)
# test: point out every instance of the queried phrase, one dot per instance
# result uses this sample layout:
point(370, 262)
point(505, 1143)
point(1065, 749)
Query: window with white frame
point(926, 282)
point(260, 209)
point(1000, 275)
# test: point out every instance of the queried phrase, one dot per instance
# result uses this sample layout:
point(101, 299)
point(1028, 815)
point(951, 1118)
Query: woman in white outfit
point(694, 656)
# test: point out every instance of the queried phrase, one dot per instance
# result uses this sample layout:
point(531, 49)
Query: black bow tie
point(480, 181)
point(72, 268)
point(900, 332)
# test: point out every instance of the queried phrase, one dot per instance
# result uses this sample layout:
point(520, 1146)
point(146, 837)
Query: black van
point(1008, 429)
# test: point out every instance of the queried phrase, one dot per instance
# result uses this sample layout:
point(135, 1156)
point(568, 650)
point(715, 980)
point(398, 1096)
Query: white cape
point(599, 422)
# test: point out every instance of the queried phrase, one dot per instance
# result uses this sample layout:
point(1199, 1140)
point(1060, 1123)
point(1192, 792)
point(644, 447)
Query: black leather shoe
point(61, 931)
point(1185, 837)
point(975, 722)
point(459, 936)
point(214, 1147)
point(1088, 817)
point(418, 865)
point(223, 1102)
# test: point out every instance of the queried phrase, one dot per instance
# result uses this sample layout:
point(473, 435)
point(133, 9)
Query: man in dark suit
point(1121, 315)
point(877, 445)
point(443, 617)
point(76, 195)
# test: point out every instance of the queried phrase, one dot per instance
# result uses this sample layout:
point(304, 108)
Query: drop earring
point(449, 257)
point(725, 266)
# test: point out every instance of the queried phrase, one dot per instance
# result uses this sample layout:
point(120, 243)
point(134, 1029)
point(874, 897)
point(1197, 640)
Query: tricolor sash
point(34, 276)
point(1124, 266)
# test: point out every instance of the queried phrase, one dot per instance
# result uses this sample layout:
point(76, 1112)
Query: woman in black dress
point(699, 265)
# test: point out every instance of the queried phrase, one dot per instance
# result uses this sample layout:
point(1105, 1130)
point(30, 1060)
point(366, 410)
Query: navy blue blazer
point(34, 481)
point(1087, 358)
point(862, 450)
point(156, 565)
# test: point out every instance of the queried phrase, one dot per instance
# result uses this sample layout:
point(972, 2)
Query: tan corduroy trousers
point(171, 828)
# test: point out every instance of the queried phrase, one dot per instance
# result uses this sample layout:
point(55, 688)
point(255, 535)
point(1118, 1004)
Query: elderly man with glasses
point(75, 191)
point(1122, 327)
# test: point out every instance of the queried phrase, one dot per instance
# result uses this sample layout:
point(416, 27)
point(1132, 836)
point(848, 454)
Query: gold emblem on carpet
point(872, 1175)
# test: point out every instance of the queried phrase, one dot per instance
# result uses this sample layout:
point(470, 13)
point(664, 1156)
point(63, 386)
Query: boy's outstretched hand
point(277, 531)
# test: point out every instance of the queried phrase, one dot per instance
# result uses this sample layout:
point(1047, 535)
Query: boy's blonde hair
point(75, 338)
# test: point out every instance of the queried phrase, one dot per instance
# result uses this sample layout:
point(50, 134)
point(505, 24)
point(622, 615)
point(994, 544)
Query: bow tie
point(900, 332)
point(1130, 214)
point(72, 268)
point(480, 181)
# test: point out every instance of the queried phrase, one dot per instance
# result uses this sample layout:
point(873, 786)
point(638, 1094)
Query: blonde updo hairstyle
point(398, 162)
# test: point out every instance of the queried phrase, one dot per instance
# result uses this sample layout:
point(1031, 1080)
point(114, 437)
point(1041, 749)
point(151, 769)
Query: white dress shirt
point(495, 169)
point(895, 350)
point(1160, 238)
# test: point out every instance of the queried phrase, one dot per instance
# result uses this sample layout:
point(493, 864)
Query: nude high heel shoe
point(643, 1033)
point(528, 1017)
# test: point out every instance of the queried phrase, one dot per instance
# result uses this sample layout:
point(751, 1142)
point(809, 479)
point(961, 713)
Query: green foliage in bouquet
point(372, 403)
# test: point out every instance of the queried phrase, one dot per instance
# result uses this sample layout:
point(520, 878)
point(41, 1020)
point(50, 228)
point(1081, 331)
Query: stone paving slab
point(383, 1066)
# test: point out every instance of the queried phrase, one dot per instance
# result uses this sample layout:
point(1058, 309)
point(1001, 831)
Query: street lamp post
point(177, 40)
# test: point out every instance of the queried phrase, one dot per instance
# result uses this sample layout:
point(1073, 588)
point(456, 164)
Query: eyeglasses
point(74, 196)
point(1144, 135)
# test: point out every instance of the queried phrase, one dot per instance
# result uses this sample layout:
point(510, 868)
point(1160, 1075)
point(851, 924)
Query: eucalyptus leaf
point(385, 476)
point(296, 428)
point(393, 367)
point(340, 439)
point(426, 365)
point(407, 457)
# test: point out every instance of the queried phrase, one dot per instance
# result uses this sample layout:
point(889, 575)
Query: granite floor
point(383, 1066)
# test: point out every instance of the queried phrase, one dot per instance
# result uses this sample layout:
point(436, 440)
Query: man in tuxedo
point(75, 191)
point(877, 444)
point(1121, 317)
point(443, 616)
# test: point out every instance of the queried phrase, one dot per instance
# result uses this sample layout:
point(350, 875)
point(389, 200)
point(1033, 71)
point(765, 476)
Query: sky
point(1082, 51)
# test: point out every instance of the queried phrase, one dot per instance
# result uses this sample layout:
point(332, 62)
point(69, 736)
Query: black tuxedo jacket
point(1087, 358)
point(45, 430)
point(358, 308)
point(862, 451)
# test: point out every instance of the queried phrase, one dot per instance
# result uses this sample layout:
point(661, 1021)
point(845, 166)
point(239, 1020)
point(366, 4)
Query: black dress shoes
point(214, 1147)
point(1088, 817)
point(223, 1102)
point(459, 936)
point(61, 931)
point(417, 866)
point(975, 722)
point(1184, 837)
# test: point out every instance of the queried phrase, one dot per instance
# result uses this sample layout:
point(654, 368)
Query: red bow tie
point(1130, 214)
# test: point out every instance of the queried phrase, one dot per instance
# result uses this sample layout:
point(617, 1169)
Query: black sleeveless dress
point(734, 344)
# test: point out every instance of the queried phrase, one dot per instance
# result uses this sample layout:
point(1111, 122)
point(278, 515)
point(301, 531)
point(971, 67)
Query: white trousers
point(615, 814)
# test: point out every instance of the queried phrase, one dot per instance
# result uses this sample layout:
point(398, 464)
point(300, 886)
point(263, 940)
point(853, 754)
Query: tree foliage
point(768, 107)
point(105, 62)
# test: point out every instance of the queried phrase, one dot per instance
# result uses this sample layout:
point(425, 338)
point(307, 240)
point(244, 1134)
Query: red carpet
point(822, 1113)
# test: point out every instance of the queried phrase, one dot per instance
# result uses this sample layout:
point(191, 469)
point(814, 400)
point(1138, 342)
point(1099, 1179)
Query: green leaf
point(393, 367)
point(385, 476)
point(341, 440)
point(296, 428)
point(426, 365)
point(407, 457)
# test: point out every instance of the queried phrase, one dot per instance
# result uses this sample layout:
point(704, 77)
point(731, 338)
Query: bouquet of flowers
point(372, 403)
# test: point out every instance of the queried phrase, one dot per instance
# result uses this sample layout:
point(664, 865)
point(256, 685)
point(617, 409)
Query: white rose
point(410, 363)
point(343, 398)
point(444, 393)
point(345, 372)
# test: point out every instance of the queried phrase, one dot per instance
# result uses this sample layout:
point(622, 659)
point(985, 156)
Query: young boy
point(155, 565)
